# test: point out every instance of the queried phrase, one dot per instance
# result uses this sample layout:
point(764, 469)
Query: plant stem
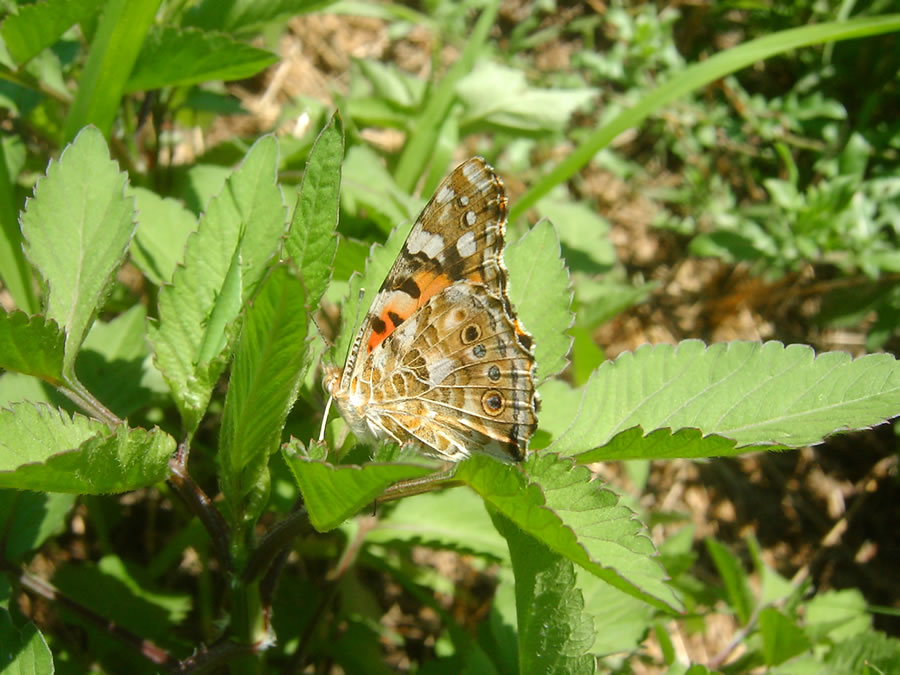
point(84, 399)
point(150, 651)
point(202, 506)
point(213, 659)
point(417, 486)
point(275, 541)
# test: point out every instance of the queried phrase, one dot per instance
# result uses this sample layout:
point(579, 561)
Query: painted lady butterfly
point(441, 359)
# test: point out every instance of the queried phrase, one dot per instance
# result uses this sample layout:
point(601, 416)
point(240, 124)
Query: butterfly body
point(441, 359)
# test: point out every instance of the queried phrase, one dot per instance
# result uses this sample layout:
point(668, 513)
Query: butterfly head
point(351, 401)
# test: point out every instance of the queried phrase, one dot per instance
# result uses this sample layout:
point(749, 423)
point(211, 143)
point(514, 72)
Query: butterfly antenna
point(352, 347)
point(325, 418)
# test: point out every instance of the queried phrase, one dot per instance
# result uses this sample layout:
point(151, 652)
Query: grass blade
point(117, 43)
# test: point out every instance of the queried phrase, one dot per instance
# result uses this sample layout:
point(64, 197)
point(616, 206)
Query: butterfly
point(441, 360)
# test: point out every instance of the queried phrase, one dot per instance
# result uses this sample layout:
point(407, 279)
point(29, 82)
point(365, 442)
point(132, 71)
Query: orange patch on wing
point(400, 306)
point(431, 284)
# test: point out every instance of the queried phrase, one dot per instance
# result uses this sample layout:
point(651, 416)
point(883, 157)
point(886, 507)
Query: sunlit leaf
point(78, 254)
point(47, 450)
point(224, 262)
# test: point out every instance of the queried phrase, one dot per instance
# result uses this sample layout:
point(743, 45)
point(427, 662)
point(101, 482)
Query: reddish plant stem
point(214, 659)
point(150, 651)
point(201, 505)
point(275, 541)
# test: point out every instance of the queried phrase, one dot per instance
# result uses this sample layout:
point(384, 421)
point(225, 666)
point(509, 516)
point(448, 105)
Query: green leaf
point(499, 635)
point(539, 290)
point(224, 262)
point(39, 25)
point(774, 589)
point(730, 247)
point(369, 111)
point(180, 57)
point(23, 651)
point(782, 639)
point(611, 534)
point(559, 406)
point(450, 519)
point(30, 518)
point(554, 631)
point(15, 272)
point(117, 41)
point(77, 229)
point(620, 620)
point(270, 361)
point(332, 494)
point(584, 235)
point(368, 188)
point(501, 97)
point(202, 183)
point(838, 616)
point(661, 444)
point(562, 509)
point(737, 592)
point(121, 592)
point(666, 647)
point(599, 301)
point(114, 366)
point(311, 242)
point(871, 653)
point(16, 387)
point(45, 450)
point(443, 154)
point(245, 16)
point(392, 84)
point(164, 226)
point(749, 392)
point(586, 354)
point(350, 258)
point(32, 345)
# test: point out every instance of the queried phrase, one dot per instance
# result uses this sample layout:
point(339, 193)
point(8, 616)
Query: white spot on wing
point(430, 244)
point(466, 244)
point(445, 195)
point(470, 218)
point(434, 246)
point(476, 175)
point(438, 371)
point(407, 331)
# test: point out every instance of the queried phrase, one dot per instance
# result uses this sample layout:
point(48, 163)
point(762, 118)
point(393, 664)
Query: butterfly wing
point(450, 267)
point(458, 235)
point(456, 378)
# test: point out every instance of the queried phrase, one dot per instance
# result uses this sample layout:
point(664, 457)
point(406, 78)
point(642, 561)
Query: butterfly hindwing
point(462, 380)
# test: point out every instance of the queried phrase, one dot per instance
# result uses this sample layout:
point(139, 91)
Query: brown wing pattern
point(443, 361)
point(464, 384)
point(459, 235)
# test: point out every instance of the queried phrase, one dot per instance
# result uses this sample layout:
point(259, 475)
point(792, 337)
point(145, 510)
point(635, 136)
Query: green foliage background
point(166, 319)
